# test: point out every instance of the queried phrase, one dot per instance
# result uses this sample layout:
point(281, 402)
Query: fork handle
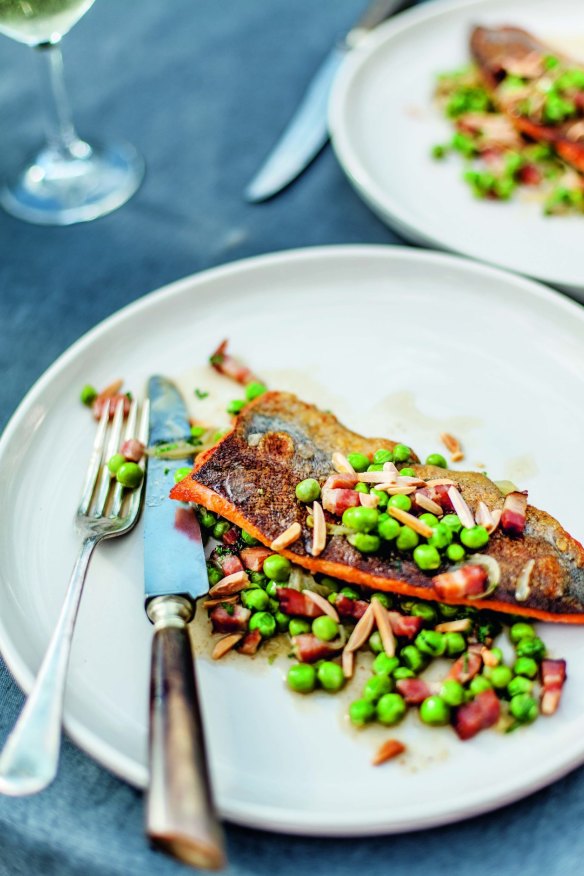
point(30, 757)
point(180, 815)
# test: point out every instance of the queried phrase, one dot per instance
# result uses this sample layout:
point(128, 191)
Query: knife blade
point(180, 814)
point(307, 132)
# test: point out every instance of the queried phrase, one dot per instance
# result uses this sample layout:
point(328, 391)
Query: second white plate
point(383, 125)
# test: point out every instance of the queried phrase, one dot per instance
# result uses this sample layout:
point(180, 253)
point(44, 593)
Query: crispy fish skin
point(491, 47)
point(250, 477)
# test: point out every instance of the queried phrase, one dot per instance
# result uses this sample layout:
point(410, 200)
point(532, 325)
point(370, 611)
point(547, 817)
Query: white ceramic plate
point(397, 342)
point(384, 124)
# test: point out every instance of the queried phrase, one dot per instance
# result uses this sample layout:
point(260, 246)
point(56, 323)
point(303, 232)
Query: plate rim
point(384, 205)
point(293, 821)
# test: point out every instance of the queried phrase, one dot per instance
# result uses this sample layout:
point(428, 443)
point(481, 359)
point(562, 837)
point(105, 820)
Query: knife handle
point(180, 814)
point(374, 15)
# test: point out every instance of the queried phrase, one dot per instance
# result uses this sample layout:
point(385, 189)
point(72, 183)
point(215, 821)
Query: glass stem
point(61, 134)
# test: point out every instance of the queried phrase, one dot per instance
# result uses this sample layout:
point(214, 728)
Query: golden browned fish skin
point(251, 475)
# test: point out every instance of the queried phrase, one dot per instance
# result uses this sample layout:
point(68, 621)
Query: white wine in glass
point(69, 180)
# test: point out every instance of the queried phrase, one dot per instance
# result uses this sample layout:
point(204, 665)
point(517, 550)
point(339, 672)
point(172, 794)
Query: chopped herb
point(201, 393)
point(216, 359)
point(197, 431)
point(166, 471)
point(229, 608)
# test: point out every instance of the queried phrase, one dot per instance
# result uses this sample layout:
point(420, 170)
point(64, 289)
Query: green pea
point(403, 672)
point(429, 519)
point(207, 519)
point(264, 622)
point(361, 519)
point(448, 612)
point(248, 539)
point(257, 600)
point(213, 574)
point(220, 528)
point(402, 453)
point(362, 488)
point(497, 654)
point(435, 711)
point(441, 537)
point(523, 708)
point(412, 658)
point(308, 490)
point(254, 389)
point(375, 643)
point(532, 647)
point(274, 605)
point(423, 609)
point(382, 456)
point(521, 631)
point(349, 592)
point(455, 553)
point(236, 406)
point(519, 685)
point(375, 466)
point(382, 497)
point(197, 431)
point(330, 676)
point(474, 537)
point(360, 712)
point(452, 521)
point(407, 539)
point(383, 598)
point(115, 462)
point(375, 687)
point(302, 677)
point(526, 666)
point(479, 684)
point(298, 626)
point(407, 472)
point(88, 394)
point(272, 588)
point(430, 642)
point(391, 708)
point(455, 644)
point(365, 542)
point(277, 568)
point(426, 557)
point(499, 676)
point(436, 459)
point(129, 475)
point(325, 628)
point(452, 692)
point(282, 621)
point(404, 503)
point(384, 665)
point(181, 473)
point(359, 461)
point(389, 529)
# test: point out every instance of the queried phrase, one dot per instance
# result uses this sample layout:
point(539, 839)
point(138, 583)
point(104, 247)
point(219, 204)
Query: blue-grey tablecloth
point(201, 87)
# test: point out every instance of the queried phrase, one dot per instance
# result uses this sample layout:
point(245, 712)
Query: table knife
point(307, 131)
point(180, 815)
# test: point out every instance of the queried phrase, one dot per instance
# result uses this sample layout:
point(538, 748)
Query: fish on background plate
point(529, 565)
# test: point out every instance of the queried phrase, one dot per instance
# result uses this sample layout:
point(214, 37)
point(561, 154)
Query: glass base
point(63, 187)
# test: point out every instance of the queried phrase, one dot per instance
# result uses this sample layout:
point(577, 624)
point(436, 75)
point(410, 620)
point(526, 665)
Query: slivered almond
point(428, 504)
point(348, 663)
point(394, 490)
point(522, 587)
point(319, 531)
point(453, 446)
point(372, 477)
point(413, 522)
point(287, 537)
point(489, 659)
point(455, 626)
point(230, 584)
point(483, 516)
point(362, 630)
point(384, 627)
point(225, 644)
point(496, 515)
point(391, 470)
point(440, 482)
point(457, 456)
point(112, 389)
point(406, 481)
point(211, 603)
point(368, 500)
point(322, 603)
point(341, 464)
point(387, 751)
point(461, 508)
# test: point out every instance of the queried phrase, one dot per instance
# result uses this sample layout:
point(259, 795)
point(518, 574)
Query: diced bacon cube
point(553, 677)
point(337, 501)
point(477, 715)
point(406, 626)
point(413, 690)
point(133, 450)
point(350, 608)
point(231, 564)
point(229, 619)
point(309, 649)
point(112, 401)
point(514, 513)
point(294, 602)
point(253, 557)
point(250, 643)
point(466, 667)
point(464, 582)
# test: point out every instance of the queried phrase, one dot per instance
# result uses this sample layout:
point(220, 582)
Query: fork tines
point(102, 494)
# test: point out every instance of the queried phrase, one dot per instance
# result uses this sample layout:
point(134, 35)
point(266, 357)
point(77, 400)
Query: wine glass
point(69, 180)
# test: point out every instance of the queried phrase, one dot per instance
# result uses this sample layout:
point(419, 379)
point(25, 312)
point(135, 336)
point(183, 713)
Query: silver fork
point(30, 757)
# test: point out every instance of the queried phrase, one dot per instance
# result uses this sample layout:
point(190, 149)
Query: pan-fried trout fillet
point(250, 477)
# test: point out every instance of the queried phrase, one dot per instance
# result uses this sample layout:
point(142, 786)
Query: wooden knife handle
point(180, 815)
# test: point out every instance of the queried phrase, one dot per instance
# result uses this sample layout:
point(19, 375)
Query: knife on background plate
point(307, 131)
point(180, 815)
